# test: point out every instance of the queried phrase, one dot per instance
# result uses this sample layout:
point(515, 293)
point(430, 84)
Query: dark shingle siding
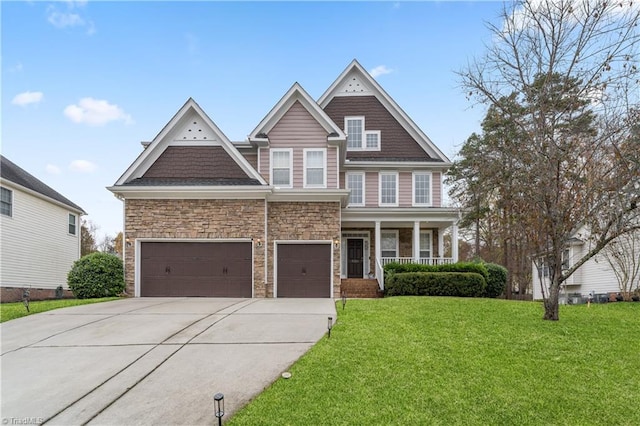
point(19, 176)
point(183, 164)
point(190, 182)
point(395, 141)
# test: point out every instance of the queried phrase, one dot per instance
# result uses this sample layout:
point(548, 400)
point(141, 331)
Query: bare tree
point(623, 255)
point(572, 66)
point(88, 237)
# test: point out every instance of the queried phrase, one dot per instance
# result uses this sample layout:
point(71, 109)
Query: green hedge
point(478, 268)
point(458, 284)
point(497, 280)
point(96, 275)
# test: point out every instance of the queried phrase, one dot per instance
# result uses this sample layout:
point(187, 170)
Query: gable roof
point(175, 132)
point(356, 81)
point(295, 94)
point(15, 174)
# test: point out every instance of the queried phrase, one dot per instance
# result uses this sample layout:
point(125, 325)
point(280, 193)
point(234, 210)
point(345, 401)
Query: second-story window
point(6, 204)
point(354, 128)
point(281, 167)
point(72, 224)
point(421, 189)
point(355, 182)
point(389, 189)
point(315, 167)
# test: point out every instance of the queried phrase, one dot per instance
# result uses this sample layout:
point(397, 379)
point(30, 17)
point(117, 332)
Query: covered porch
point(370, 240)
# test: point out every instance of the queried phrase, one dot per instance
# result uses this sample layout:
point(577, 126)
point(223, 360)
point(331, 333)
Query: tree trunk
point(551, 305)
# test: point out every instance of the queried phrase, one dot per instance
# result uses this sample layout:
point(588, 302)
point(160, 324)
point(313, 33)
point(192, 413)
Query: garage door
point(304, 270)
point(195, 269)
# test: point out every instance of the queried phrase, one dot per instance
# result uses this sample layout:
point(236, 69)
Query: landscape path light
point(218, 401)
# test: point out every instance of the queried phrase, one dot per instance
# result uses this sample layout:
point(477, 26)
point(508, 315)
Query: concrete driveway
point(151, 361)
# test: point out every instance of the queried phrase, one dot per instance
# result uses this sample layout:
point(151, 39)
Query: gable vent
point(195, 129)
point(353, 85)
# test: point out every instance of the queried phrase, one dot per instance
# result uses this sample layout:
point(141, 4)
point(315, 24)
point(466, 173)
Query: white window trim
point(380, 203)
point(290, 151)
point(413, 189)
point(324, 167)
point(11, 200)
point(430, 233)
point(397, 238)
point(75, 224)
point(364, 193)
point(364, 140)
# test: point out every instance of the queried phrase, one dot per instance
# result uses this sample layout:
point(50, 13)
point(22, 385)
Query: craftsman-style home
point(321, 195)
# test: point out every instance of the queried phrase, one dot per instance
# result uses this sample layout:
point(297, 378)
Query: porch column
point(454, 242)
point(416, 241)
point(440, 243)
point(377, 241)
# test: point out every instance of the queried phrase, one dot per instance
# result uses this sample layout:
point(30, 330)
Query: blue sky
point(84, 82)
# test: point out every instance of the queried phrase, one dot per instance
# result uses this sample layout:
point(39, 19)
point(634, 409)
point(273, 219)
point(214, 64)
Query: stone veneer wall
point(303, 221)
point(195, 219)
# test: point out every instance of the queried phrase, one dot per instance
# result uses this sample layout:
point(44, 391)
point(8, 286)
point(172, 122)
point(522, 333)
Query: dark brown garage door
point(196, 269)
point(304, 270)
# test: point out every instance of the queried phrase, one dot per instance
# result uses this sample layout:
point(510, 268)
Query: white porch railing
point(422, 260)
point(380, 274)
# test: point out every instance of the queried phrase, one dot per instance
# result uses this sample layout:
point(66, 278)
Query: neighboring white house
point(40, 235)
point(595, 276)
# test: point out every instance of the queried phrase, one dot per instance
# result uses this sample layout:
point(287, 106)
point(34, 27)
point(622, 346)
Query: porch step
point(360, 288)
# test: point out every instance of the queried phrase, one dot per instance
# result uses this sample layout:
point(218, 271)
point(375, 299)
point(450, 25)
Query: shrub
point(458, 284)
point(96, 275)
point(496, 281)
point(478, 268)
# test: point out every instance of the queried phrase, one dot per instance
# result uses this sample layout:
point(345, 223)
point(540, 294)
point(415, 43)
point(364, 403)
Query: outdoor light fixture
point(128, 242)
point(258, 242)
point(336, 242)
point(330, 325)
point(218, 400)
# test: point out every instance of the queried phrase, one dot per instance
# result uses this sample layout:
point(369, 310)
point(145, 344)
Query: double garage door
point(207, 269)
point(224, 269)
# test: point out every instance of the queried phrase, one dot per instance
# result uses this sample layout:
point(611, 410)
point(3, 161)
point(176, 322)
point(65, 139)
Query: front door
point(354, 258)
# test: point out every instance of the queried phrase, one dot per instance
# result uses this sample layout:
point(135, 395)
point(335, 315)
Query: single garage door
point(220, 269)
point(304, 270)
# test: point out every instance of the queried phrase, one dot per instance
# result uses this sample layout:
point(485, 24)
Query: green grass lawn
point(9, 311)
point(429, 361)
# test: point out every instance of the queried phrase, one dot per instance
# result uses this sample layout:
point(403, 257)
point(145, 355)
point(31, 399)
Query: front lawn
point(9, 311)
point(427, 360)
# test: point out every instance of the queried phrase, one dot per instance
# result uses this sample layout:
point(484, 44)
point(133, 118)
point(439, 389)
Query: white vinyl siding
point(37, 250)
point(6, 203)
point(315, 168)
point(281, 167)
point(355, 182)
point(426, 242)
point(388, 189)
point(421, 188)
point(389, 243)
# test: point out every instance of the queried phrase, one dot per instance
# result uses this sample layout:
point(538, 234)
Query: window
point(6, 205)
point(354, 127)
point(372, 140)
point(355, 182)
point(425, 243)
point(388, 189)
point(389, 243)
point(315, 168)
point(281, 167)
point(566, 259)
point(421, 189)
point(72, 224)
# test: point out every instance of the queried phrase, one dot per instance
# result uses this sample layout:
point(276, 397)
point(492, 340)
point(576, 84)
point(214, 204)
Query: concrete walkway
point(151, 361)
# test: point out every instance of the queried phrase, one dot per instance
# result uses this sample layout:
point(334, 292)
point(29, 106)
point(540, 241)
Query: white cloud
point(52, 169)
point(82, 166)
point(71, 17)
point(26, 98)
point(16, 68)
point(380, 70)
point(96, 112)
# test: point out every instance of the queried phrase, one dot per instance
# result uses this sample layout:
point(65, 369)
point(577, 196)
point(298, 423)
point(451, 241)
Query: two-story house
point(320, 191)
point(39, 236)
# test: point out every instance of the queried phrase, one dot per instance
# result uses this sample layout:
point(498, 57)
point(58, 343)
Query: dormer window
point(359, 139)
